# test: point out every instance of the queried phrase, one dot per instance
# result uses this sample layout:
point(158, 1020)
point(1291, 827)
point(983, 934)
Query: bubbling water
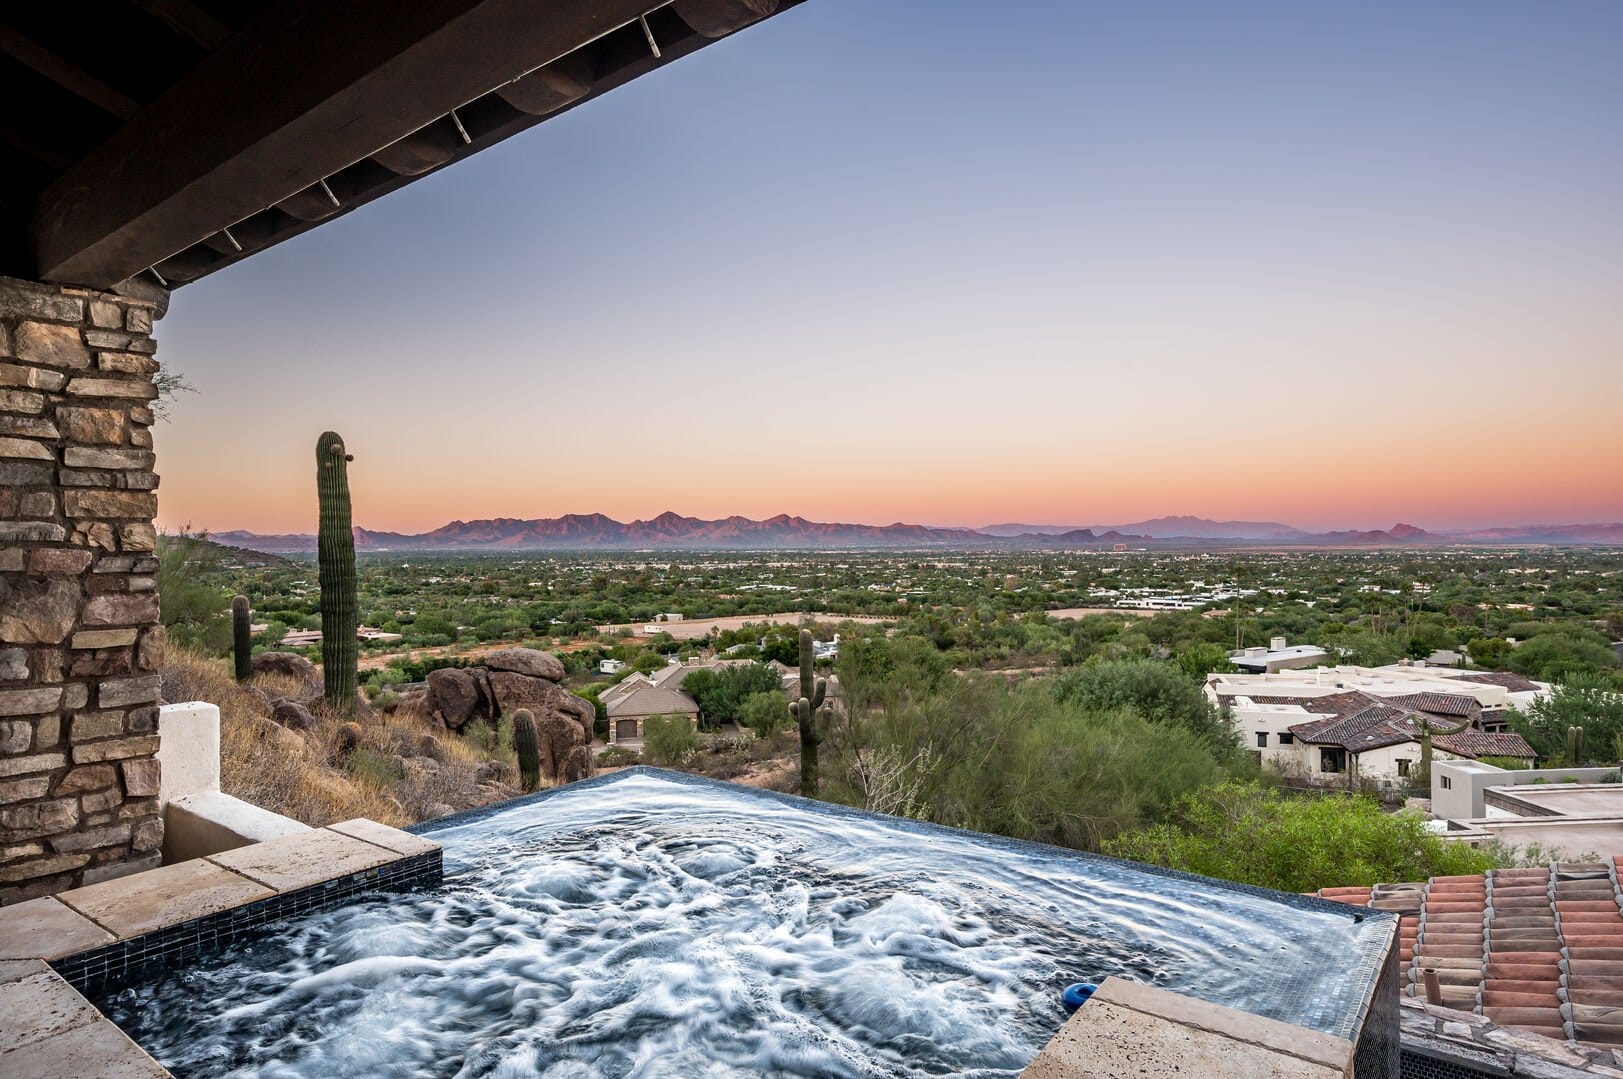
point(654, 928)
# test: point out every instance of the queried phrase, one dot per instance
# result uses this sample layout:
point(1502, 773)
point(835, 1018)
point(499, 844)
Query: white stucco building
point(1347, 725)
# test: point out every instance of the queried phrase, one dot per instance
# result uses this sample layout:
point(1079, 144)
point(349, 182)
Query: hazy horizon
point(1334, 267)
point(1096, 525)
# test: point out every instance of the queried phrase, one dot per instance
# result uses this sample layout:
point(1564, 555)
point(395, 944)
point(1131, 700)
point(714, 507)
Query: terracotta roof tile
point(1441, 704)
point(1538, 949)
point(1516, 683)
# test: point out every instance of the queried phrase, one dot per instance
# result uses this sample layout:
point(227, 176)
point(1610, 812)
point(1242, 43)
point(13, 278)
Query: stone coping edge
point(126, 960)
point(98, 1043)
point(1274, 1035)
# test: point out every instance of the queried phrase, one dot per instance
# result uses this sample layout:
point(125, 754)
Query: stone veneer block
point(38, 1007)
point(1132, 1030)
point(384, 836)
point(303, 859)
point(97, 1049)
point(168, 895)
point(47, 929)
point(77, 499)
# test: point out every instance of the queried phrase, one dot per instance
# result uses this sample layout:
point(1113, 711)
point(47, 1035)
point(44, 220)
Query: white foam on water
point(652, 928)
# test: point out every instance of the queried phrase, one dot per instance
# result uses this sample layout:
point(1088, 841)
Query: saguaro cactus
point(1575, 746)
point(803, 711)
point(527, 744)
point(242, 647)
point(335, 550)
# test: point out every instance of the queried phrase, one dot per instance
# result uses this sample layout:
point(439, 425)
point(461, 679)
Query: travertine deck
point(49, 1031)
point(1138, 1031)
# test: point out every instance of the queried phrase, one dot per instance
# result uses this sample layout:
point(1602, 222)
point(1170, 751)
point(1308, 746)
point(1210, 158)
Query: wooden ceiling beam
point(189, 21)
point(71, 78)
point(305, 90)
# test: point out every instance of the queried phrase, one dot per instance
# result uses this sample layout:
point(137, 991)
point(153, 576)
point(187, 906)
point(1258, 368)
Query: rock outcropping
point(506, 681)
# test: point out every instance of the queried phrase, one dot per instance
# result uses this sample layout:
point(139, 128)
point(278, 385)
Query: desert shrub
point(618, 757)
point(1017, 761)
point(491, 742)
point(1255, 835)
point(373, 766)
point(764, 713)
point(193, 604)
point(1159, 692)
point(668, 740)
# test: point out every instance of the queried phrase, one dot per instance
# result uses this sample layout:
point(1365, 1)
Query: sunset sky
point(950, 263)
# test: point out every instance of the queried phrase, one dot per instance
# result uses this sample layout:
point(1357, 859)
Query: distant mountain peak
point(672, 530)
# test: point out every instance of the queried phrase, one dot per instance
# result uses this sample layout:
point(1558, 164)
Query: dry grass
point(308, 775)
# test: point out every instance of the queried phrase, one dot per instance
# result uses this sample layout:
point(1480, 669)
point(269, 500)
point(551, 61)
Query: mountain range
point(594, 531)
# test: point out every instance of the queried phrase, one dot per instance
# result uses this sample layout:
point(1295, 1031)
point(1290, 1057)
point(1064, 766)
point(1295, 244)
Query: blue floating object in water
point(1076, 995)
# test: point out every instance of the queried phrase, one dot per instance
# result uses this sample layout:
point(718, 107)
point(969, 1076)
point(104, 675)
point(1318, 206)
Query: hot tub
point(653, 923)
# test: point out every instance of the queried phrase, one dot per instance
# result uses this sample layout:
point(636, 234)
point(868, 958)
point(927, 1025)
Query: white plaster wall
point(188, 750)
point(210, 822)
point(198, 819)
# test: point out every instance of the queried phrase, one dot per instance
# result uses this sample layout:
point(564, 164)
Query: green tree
point(1247, 833)
point(1562, 652)
point(1584, 700)
point(1159, 692)
point(1016, 760)
point(1197, 659)
point(1490, 652)
point(720, 693)
point(764, 713)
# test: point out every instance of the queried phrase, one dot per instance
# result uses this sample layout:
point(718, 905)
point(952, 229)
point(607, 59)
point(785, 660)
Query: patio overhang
point(170, 138)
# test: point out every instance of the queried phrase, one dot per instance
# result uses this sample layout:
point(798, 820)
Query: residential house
point(1338, 726)
point(1278, 656)
point(631, 703)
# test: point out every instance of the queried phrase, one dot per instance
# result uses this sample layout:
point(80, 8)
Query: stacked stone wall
point(80, 638)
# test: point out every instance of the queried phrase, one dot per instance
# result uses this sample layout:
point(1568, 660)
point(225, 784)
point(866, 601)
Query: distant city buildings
point(304, 638)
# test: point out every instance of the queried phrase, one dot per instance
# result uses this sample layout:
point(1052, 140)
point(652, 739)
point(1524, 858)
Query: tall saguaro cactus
point(335, 550)
point(803, 711)
point(242, 646)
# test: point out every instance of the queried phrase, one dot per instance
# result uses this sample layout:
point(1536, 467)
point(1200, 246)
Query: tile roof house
point(633, 702)
point(1537, 949)
point(1338, 737)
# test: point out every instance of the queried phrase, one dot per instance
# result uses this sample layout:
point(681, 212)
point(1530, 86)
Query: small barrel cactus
point(242, 648)
point(527, 744)
point(335, 551)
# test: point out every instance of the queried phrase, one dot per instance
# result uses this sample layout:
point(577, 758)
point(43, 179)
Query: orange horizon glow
point(1363, 488)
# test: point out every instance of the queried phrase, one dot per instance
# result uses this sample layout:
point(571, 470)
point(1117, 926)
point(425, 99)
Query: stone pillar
point(80, 641)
